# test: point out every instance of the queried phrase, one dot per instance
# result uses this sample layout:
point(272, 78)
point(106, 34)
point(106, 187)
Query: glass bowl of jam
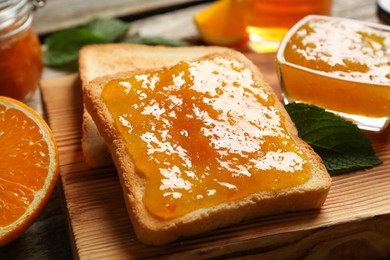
point(339, 64)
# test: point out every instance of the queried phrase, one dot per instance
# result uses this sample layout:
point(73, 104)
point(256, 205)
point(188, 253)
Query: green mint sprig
point(62, 48)
point(341, 144)
point(156, 40)
point(111, 30)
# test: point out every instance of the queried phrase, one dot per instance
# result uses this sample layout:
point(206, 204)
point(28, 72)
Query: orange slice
point(223, 23)
point(28, 167)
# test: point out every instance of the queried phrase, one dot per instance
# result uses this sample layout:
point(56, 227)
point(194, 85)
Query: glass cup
point(267, 21)
point(20, 50)
point(341, 65)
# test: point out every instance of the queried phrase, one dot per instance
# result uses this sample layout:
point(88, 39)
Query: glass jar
point(20, 50)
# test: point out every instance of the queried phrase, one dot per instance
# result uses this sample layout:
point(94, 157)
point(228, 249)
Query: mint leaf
point(156, 40)
point(342, 145)
point(63, 60)
point(63, 47)
point(71, 40)
point(109, 29)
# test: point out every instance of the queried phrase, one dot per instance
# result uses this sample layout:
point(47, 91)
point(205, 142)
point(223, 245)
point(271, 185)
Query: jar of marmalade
point(20, 51)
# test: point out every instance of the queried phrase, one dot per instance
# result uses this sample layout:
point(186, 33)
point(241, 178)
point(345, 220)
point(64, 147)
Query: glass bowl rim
point(280, 57)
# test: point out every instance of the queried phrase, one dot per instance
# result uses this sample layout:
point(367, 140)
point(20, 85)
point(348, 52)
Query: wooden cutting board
point(353, 223)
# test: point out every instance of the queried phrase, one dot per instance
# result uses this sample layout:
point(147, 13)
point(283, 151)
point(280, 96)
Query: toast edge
point(157, 232)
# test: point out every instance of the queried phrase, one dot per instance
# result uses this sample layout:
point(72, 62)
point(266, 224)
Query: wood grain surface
point(47, 238)
point(354, 222)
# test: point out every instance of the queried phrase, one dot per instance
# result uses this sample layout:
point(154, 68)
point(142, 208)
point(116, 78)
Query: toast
point(165, 219)
point(99, 60)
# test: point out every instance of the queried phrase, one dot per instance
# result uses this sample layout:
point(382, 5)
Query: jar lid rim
point(383, 10)
point(11, 7)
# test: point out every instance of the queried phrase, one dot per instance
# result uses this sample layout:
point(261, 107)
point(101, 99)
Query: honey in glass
point(267, 21)
point(20, 53)
point(342, 65)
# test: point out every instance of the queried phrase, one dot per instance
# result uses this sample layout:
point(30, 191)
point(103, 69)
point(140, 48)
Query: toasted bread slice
point(237, 75)
point(99, 60)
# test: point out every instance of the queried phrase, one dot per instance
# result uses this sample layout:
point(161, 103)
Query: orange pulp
point(28, 167)
point(222, 23)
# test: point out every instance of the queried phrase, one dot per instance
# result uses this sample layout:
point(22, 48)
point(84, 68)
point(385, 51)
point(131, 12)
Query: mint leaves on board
point(62, 47)
point(341, 144)
point(156, 41)
point(109, 29)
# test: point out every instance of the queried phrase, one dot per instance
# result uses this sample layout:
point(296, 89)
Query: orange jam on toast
point(203, 133)
point(339, 64)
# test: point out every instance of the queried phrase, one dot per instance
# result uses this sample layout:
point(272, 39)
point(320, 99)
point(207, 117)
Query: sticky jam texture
point(21, 64)
point(344, 49)
point(203, 133)
point(354, 55)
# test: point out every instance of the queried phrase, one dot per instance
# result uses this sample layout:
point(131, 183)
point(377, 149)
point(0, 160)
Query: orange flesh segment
point(353, 61)
point(17, 188)
point(223, 23)
point(202, 133)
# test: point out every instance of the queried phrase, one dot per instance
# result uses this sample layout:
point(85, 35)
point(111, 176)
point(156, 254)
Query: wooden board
point(353, 223)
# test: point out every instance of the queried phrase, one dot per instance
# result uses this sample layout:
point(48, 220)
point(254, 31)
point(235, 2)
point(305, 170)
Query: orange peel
point(28, 167)
point(222, 23)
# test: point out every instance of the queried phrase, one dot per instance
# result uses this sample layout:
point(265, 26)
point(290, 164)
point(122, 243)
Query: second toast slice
point(104, 59)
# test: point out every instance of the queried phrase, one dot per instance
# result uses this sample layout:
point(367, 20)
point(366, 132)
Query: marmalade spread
point(203, 133)
point(21, 64)
point(348, 62)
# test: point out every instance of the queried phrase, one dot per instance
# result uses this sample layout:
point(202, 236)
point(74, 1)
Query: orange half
point(28, 167)
point(223, 23)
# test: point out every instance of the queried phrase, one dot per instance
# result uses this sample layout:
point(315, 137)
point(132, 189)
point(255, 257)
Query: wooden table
point(48, 237)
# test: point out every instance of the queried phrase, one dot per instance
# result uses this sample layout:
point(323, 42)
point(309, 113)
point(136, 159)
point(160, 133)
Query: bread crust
point(155, 231)
point(104, 59)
